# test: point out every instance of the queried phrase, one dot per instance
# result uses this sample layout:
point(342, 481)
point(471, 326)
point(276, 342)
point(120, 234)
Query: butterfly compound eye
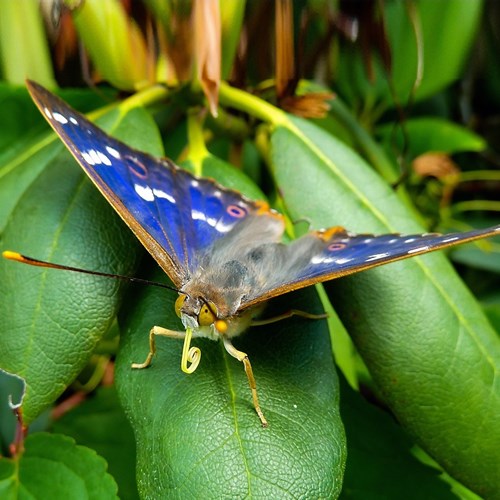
point(178, 304)
point(207, 315)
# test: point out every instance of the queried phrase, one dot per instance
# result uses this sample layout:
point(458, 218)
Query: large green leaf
point(51, 321)
point(423, 336)
point(199, 436)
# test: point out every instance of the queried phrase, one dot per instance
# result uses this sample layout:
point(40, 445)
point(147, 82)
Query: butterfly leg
point(288, 314)
point(243, 357)
point(157, 330)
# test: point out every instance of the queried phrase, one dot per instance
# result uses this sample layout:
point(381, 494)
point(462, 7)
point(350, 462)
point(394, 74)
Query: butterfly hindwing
point(324, 255)
point(174, 214)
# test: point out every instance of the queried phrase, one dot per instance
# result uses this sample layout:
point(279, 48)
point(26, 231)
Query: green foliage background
point(405, 405)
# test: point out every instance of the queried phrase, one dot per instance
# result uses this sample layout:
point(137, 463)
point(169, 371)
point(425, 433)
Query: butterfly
point(221, 250)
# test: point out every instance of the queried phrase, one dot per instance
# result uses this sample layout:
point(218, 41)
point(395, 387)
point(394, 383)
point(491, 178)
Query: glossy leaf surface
point(419, 330)
point(49, 335)
point(193, 427)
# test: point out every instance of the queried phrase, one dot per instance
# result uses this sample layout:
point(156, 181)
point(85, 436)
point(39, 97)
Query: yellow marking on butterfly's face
point(208, 314)
point(179, 303)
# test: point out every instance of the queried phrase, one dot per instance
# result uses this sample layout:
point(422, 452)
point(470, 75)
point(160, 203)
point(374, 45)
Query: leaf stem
point(145, 97)
point(254, 106)
point(479, 175)
point(367, 146)
point(197, 148)
point(476, 205)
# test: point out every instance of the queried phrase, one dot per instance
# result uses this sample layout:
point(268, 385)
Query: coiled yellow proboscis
point(191, 356)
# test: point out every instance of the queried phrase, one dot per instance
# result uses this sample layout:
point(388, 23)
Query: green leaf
point(23, 128)
point(198, 435)
point(51, 321)
point(24, 51)
point(445, 45)
point(7, 479)
point(379, 461)
point(424, 338)
point(20, 119)
point(99, 423)
point(491, 307)
point(425, 135)
point(52, 466)
point(221, 171)
point(232, 15)
point(474, 256)
point(114, 42)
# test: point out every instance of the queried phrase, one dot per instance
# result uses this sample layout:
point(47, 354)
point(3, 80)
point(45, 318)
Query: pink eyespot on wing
point(137, 168)
point(235, 211)
point(333, 247)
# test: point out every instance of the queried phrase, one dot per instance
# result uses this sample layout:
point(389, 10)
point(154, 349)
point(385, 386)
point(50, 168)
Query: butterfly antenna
point(17, 257)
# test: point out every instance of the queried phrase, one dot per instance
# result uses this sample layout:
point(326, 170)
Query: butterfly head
point(200, 314)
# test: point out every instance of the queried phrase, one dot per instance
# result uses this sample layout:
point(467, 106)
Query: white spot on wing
point(47, 112)
point(145, 192)
point(410, 240)
point(93, 154)
point(73, 120)
point(161, 194)
point(317, 259)
point(343, 261)
point(377, 256)
point(419, 249)
point(113, 152)
point(104, 159)
point(453, 238)
point(198, 215)
point(60, 118)
point(87, 158)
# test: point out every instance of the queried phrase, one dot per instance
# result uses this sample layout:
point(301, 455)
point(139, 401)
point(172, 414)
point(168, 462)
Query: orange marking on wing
point(327, 234)
point(263, 208)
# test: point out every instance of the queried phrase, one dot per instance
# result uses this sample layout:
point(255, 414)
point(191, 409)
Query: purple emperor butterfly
point(222, 251)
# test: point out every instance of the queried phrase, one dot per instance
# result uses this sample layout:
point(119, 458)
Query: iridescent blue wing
point(324, 255)
point(175, 215)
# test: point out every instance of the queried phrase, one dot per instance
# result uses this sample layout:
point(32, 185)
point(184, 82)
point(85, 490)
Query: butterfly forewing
point(200, 232)
point(175, 215)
